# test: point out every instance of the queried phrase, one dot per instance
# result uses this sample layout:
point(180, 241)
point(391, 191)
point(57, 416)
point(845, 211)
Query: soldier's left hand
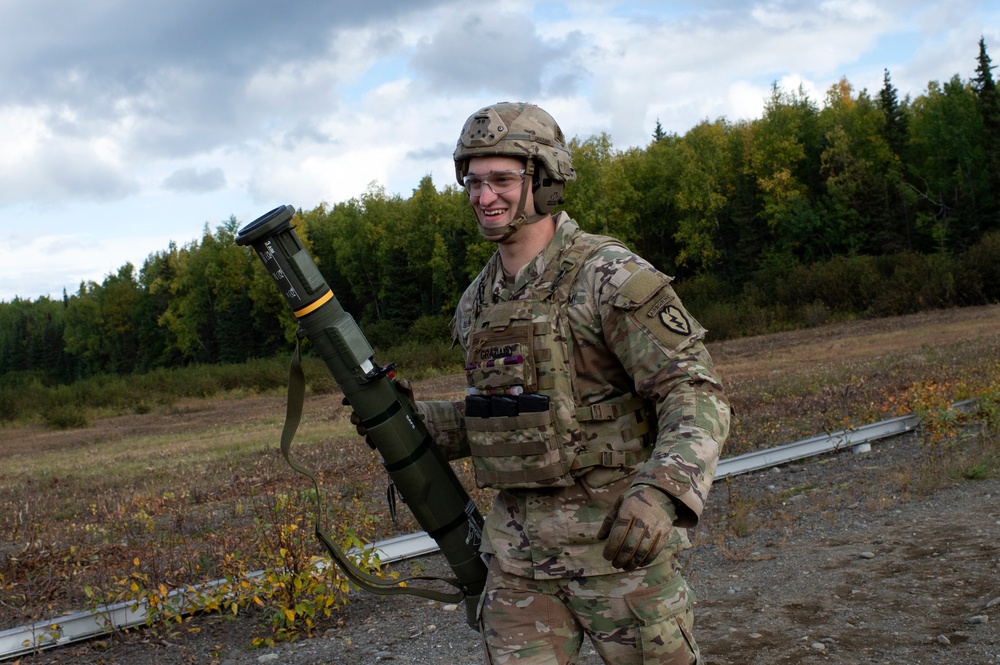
point(637, 527)
point(405, 389)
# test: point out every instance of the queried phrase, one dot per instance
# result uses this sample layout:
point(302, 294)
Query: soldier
point(593, 408)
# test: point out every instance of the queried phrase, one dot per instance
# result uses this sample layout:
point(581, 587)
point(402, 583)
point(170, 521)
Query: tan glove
point(637, 527)
point(403, 386)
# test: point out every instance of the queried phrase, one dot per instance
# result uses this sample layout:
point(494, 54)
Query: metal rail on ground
point(85, 625)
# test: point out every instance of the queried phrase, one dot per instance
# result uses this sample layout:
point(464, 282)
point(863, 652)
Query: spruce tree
point(988, 102)
point(895, 117)
point(896, 230)
point(658, 133)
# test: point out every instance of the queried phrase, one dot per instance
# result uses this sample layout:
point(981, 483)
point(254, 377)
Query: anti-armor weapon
point(416, 466)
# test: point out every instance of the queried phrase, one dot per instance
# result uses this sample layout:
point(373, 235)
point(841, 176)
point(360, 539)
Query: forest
point(860, 205)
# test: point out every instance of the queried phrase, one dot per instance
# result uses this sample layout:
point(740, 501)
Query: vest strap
point(611, 409)
point(507, 423)
point(523, 476)
point(611, 458)
point(519, 449)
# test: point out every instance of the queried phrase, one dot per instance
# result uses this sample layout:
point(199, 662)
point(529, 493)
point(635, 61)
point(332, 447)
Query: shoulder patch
point(641, 285)
point(676, 320)
point(651, 304)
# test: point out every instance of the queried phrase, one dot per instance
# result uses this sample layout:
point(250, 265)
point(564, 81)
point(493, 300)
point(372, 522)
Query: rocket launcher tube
point(421, 474)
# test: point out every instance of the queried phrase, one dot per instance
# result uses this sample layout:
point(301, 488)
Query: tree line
point(860, 205)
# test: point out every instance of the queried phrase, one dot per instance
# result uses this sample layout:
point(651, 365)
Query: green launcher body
point(415, 464)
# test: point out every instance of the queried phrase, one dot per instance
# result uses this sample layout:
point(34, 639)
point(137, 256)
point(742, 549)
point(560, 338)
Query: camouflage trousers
point(642, 616)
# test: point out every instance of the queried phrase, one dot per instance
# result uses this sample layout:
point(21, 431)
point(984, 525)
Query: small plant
point(977, 471)
point(294, 586)
point(740, 520)
point(298, 587)
point(932, 402)
point(66, 416)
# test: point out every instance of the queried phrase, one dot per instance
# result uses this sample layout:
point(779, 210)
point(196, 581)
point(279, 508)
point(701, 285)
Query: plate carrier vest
point(525, 426)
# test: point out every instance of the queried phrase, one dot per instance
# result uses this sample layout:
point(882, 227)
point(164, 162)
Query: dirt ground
point(836, 570)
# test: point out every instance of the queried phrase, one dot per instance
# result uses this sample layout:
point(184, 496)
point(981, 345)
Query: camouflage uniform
point(627, 334)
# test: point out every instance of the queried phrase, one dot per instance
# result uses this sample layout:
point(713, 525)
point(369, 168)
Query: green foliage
point(705, 184)
point(853, 206)
point(912, 282)
point(783, 158)
point(602, 198)
point(425, 350)
point(947, 164)
point(280, 575)
point(979, 271)
point(861, 173)
point(21, 393)
point(417, 360)
point(25, 398)
point(977, 471)
point(430, 329)
point(66, 416)
point(896, 121)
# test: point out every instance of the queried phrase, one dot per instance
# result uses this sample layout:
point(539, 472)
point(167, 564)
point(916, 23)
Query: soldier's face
point(494, 211)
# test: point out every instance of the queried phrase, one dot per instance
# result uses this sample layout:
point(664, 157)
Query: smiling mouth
point(493, 214)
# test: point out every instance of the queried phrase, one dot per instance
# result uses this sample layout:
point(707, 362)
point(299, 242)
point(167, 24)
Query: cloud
point(307, 132)
point(151, 105)
point(181, 78)
point(685, 67)
point(49, 43)
point(36, 166)
point(46, 264)
point(192, 180)
point(496, 51)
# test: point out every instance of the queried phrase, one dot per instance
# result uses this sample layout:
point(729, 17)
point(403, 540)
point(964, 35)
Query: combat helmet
point(524, 131)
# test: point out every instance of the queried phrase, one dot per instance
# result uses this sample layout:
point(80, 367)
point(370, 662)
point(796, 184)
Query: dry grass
point(181, 487)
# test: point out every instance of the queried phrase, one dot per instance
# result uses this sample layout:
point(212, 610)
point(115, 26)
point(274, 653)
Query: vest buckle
point(603, 411)
point(612, 459)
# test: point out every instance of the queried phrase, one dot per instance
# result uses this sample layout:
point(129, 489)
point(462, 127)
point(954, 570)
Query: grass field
point(137, 504)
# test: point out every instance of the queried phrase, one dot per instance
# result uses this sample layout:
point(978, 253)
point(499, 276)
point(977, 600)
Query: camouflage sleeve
point(660, 345)
point(445, 422)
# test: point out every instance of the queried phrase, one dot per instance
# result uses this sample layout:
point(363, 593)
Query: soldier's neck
point(522, 247)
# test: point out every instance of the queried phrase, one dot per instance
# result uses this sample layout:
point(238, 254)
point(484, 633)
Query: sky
point(127, 125)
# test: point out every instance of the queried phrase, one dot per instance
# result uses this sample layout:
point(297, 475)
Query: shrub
point(814, 314)
point(721, 319)
point(431, 329)
point(417, 360)
point(19, 402)
point(912, 282)
point(97, 392)
point(844, 284)
point(775, 270)
point(66, 416)
point(319, 380)
point(728, 320)
point(978, 279)
point(701, 292)
point(383, 334)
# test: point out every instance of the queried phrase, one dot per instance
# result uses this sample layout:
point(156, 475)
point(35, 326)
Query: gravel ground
point(834, 570)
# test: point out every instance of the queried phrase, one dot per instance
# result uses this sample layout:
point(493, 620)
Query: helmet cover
point(523, 131)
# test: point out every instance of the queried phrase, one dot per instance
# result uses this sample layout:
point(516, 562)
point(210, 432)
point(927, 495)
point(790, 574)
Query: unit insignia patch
point(675, 320)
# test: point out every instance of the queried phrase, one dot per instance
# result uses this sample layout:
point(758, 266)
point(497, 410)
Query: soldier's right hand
point(638, 527)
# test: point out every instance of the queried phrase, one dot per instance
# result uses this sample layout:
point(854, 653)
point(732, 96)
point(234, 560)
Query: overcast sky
point(128, 124)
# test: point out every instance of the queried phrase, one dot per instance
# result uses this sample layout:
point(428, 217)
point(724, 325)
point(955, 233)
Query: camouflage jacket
point(630, 333)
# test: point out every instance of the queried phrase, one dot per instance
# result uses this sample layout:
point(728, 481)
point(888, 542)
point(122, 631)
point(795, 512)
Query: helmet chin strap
point(520, 216)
